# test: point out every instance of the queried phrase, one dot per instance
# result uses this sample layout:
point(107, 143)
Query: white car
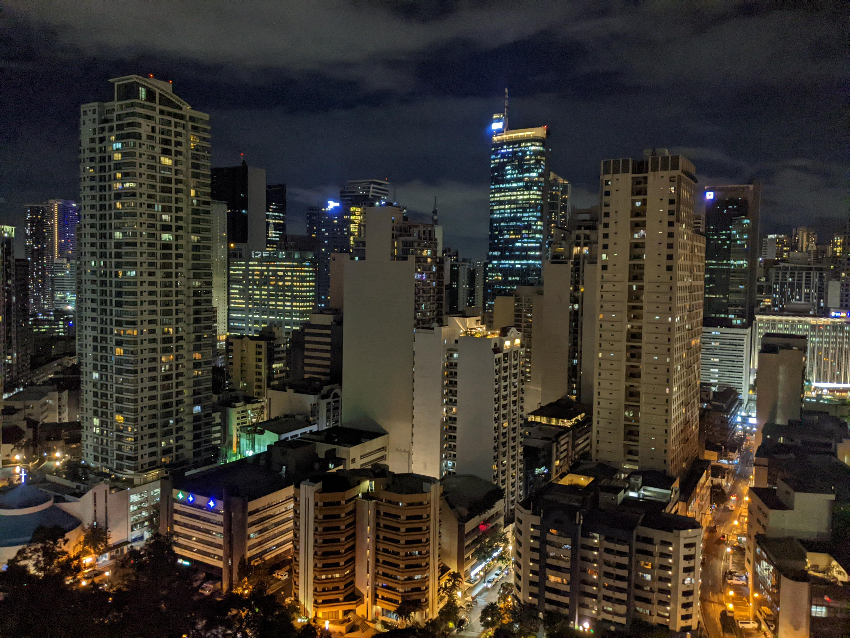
point(281, 574)
point(489, 582)
point(748, 624)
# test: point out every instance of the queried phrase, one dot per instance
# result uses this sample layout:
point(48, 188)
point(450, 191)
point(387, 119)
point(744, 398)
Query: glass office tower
point(518, 198)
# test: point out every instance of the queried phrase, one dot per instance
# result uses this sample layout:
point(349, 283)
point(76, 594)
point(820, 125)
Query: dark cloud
point(320, 91)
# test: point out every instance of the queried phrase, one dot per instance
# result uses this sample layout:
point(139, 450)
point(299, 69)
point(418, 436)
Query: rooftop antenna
point(434, 214)
point(506, 109)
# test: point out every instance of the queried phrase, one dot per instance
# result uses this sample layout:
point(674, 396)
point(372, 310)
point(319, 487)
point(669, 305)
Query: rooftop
point(22, 496)
point(768, 496)
point(409, 484)
point(342, 436)
point(284, 424)
point(656, 479)
point(470, 496)
point(669, 522)
point(240, 478)
point(33, 393)
point(564, 408)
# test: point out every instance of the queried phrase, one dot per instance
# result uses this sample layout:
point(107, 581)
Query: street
point(719, 556)
point(482, 596)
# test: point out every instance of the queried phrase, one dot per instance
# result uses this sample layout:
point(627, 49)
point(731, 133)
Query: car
point(748, 624)
point(461, 623)
point(281, 574)
point(723, 537)
point(207, 588)
point(497, 573)
point(489, 582)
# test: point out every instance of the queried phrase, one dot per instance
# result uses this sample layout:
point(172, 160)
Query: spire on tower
point(506, 109)
point(434, 214)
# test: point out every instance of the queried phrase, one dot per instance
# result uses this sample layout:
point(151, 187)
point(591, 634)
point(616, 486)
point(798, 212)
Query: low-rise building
point(472, 511)
point(229, 518)
point(800, 590)
point(237, 415)
point(585, 547)
point(554, 436)
point(313, 398)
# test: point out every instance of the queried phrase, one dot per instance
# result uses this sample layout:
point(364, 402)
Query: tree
point(505, 597)
point(452, 584)
point(491, 616)
point(407, 608)
point(525, 619)
point(95, 540)
point(487, 547)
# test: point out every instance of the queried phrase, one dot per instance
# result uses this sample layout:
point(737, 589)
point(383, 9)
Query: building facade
point(270, 289)
point(650, 283)
point(519, 171)
point(243, 189)
point(145, 320)
point(731, 253)
point(328, 228)
point(725, 358)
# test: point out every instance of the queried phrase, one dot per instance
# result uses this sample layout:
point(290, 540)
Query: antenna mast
point(506, 109)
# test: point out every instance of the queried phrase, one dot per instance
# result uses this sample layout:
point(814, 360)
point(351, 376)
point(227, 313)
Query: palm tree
point(452, 584)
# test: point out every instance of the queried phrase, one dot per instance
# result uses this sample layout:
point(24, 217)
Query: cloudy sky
point(320, 91)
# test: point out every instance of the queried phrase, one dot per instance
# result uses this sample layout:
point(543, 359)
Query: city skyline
point(366, 124)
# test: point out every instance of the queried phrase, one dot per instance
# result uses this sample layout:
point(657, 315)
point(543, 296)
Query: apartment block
point(586, 548)
point(648, 327)
point(366, 541)
point(472, 511)
point(145, 320)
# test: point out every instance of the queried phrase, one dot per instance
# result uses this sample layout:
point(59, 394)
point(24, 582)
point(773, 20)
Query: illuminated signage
point(332, 205)
point(840, 314)
point(709, 194)
point(497, 126)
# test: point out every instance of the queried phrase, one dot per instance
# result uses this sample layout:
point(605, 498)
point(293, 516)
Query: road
point(714, 591)
point(482, 596)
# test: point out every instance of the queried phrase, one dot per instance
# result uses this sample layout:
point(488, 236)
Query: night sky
point(318, 92)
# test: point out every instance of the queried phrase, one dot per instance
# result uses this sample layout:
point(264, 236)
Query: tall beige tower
point(145, 319)
point(649, 319)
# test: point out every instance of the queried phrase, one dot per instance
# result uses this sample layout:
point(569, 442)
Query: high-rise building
point(328, 228)
point(602, 548)
point(270, 288)
point(358, 520)
point(355, 196)
point(518, 201)
point(827, 350)
point(19, 335)
point(422, 243)
point(725, 358)
point(804, 240)
point(317, 348)
point(650, 284)
point(146, 370)
point(7, 300)
point(558, 207)
point(276, 216)
point(40, 248)
point(243, 189)
point(799, 288)
point(731, 253)
point(565, 318)
point(460, 282)
point(468, 392)
point(219, 273)
point(377, 362)
point(255, 362)
point(776, 247)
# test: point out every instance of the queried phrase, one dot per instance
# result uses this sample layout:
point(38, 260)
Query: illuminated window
point(162, 160)
point(119, 418)
point(119, 351)
point(116, 156)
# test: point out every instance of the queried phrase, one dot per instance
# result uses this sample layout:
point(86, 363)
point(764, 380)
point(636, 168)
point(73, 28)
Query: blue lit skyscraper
point(518, 201)
point(328, 227)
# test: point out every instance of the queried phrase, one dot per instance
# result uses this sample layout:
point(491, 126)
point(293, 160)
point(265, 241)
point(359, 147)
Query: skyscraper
point(243, 189)
point(358, 194)
point(649, 319)
point(518, 200)
point(328, 228)
point(276, 216)
point(270, 288)
point(731, 254)
point(40, 249)
point(558, 207)
point(7, 294)
point(146, 400)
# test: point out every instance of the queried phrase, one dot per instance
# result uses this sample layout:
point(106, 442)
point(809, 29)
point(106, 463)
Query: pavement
point(720, 557)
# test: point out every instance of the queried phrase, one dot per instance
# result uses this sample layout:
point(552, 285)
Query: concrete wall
point(377, 368)
point(429, 357)
point(475, 407)
point(550, 330)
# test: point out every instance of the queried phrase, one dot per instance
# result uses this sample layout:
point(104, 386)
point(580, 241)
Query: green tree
point(487, 547)
point(95, 541)
point(491, 616)
point(407, 608)
point(524, 618)
point(452, 583)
